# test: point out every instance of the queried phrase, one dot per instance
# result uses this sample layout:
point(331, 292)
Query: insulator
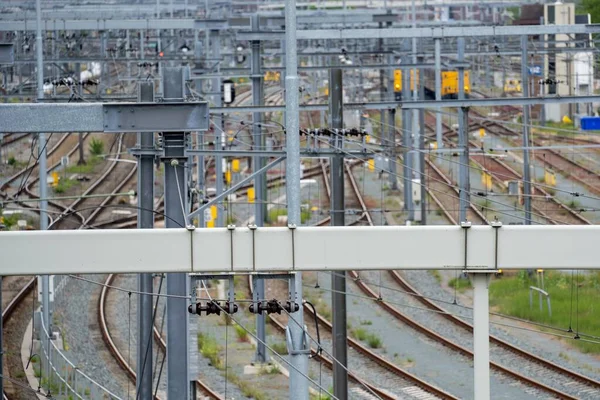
point(231, 309)
point(291, 307)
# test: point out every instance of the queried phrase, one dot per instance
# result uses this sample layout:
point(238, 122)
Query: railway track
point(20, 287)
point(543, 203)
point(539, 369)
point(409, 382)
point(119, 358)
point(12, 138)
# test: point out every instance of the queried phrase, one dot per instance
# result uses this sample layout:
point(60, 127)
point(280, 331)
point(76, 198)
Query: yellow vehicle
point(449, 84)
point(398, 83)
point(272, 76)
point(512, 86)
point(398, 80)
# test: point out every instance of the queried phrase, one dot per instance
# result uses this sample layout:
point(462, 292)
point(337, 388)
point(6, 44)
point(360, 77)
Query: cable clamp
point(496, 225)
point(252, 228)
point(292, 228)
point(465, 225)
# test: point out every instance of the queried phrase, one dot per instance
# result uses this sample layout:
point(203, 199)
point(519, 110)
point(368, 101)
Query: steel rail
point(439, 338)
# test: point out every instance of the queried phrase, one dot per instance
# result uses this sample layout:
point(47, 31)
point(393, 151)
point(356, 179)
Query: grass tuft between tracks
point(574, 302)
point(210, 349)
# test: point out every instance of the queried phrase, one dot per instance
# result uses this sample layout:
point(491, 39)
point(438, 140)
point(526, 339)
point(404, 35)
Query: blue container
point(590, 123)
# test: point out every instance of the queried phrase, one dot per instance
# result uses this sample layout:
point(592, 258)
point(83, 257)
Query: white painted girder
point(302, 249)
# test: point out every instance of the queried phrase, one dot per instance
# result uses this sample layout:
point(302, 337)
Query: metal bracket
point(143, 117)
point(496, 225)
point(231, 229)
point(290, 342)
point(7, 54)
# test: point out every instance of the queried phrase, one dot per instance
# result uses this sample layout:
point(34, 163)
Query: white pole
point(481, 335)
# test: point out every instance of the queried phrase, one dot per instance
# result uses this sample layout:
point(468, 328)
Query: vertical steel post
point(218, 122)
point(174, 158)
point(421, 154)
point(43, 179)
point(338, 281)
point(42, 160)
point(438, 93)
point(393, 159)
point(407, 141)
point(145, 191)
point(392, 173)
point(526, 169)
point(142, 45)
point(1, 341)
point(381, 90)
point(297, 346)
point(260, 194)
point(463, 139)
point(481, 335)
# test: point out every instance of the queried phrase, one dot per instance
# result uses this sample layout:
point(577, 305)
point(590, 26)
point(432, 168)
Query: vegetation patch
point(96, 147)
point(86, 168)
point(279, 348)
point(461, 284)
point(359, 333)
point(574, 299)
point(64, 184)
point(210, 349)
point(241, 333)
point(374, 341)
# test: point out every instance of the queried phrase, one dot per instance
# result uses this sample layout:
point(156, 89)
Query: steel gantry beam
point(427, 32)
point(104, 117)
point(300, 249)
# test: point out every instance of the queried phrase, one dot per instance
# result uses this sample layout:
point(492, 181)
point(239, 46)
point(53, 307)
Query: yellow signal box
point(251, 195)
point(228, 176)
point(213, 212)
point(481, 132)
point(55, 179)
point(235, 165)
point(397, 80)
point(550, 178)
point(486, 180)
point(272, 76)
point(371, 165)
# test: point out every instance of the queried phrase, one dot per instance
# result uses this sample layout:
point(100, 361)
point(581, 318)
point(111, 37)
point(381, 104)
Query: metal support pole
point(42, 161)
point(407, 142)
point(463, 140)
point(145, 190)
point(392, 173)
point(481, 335)
point(260, 189)
point(438, 93)
point(392, 178)
point(526, 169)
point(142, 45)
point(1, 341)
point(104, 76)
point(218, 122)
point(297, 347)
point(421, 155)
point(177, 283)
point(43, 179)
point(381, 90)
point(338, 281)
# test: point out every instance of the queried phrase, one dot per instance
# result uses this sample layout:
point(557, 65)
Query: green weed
point(573, 298)
point(96, 147)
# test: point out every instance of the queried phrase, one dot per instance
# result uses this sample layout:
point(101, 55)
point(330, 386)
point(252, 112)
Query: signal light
point(161, 54)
